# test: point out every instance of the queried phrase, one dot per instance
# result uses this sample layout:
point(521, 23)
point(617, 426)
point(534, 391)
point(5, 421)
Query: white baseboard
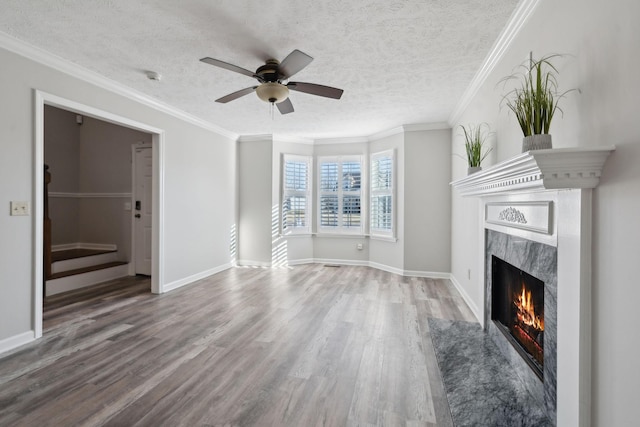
point(387, 268)
point(194, 278)
point(365, 263)
point(16, 341)
point(426, 274)
point(361, 263)
point(92, 246)
point(249, 263)
point(465, 296)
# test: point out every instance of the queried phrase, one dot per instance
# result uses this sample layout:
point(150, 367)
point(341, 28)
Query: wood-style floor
point(308, 346)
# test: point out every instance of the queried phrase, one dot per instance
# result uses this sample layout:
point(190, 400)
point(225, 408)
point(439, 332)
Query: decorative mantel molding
point(557, 168)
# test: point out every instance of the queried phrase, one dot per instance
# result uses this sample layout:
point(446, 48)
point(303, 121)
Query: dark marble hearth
point(481, 386)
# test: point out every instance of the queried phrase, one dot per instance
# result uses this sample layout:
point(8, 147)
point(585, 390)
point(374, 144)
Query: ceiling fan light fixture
point(273, 92)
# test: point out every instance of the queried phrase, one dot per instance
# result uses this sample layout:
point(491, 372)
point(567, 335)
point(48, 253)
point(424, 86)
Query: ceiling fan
point(271, 76)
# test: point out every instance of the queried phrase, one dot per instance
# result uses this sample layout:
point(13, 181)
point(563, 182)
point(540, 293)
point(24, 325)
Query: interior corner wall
point(61, 150)
point(198, 169)
point(257, 215)
point(427, 209)
point(600, 40)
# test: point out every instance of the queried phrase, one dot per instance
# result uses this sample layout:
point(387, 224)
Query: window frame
point(341, 229)
point(308, 194)
point(384, 233)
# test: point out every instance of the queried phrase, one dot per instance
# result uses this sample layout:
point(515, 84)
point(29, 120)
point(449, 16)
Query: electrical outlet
point(19, 208)
point(359, 246)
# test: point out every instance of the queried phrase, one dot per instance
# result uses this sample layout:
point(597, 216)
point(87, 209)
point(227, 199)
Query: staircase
point(76, 268)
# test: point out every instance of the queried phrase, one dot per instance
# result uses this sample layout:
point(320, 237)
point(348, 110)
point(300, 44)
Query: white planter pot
point(536, 142)
point(473, 169)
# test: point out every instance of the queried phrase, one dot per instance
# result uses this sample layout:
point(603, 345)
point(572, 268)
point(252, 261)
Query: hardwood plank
point(309, 345)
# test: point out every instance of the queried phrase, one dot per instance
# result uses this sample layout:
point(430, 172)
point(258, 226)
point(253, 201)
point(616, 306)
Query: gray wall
point(255, 208)
point(61, 150)
point(427, 211)
point(199, 170)
point(90, 158)
point(602, 41)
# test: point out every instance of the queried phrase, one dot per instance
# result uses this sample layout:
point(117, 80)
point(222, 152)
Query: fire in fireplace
point(517, 308)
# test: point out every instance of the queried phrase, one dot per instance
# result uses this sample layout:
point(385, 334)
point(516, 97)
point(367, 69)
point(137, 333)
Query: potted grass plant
point(474, 145)
point(535, 100)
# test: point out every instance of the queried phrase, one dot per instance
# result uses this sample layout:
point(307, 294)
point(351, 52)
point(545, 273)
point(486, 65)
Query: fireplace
point(518, 311)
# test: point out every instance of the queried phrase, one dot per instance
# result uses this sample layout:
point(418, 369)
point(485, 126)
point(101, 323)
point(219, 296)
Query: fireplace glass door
point(517, 308)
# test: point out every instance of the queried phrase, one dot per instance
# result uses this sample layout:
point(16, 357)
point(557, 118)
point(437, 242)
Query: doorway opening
point(123, 200)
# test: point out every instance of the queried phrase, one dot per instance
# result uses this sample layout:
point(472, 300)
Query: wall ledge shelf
point(556, 168)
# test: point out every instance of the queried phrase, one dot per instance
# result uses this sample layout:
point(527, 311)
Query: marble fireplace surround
point(545, 197)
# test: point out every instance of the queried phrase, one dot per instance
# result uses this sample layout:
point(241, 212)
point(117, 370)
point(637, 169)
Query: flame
point(526, 311)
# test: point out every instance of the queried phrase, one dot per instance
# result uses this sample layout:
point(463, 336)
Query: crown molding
point(50, 60)
point(254, 138)
point(518, 18)
point(417, 127)
point(560, 168)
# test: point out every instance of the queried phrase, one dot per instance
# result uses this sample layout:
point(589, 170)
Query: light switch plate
point(19, 208)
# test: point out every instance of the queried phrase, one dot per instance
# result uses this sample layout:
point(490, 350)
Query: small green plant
point(535, 101)
point(475, 137)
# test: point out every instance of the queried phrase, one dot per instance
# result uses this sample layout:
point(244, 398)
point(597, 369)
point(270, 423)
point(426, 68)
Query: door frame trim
point(158, 145)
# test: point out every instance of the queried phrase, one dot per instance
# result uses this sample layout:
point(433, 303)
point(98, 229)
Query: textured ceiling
point(398, 61)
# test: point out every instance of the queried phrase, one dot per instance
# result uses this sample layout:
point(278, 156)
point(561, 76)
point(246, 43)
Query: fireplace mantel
point(557, 168)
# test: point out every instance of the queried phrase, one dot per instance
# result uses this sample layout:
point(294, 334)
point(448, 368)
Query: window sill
point(341, 235)
point(286, 236)
point(383, 238)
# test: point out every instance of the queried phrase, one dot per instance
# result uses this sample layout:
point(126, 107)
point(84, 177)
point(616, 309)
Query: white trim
point(383, 238)
point(386, 268)
point(250, 263)
point(559, 168)
point(345, 140)
point(38, 213)
point(426, 274)
point(254, 138)
point(340, 235)
point(511, 30)
point(70, 195)
point(465, 296)
point(57, 63)
point(15, 341)
point(92, 246)
point(293, 262)
point(353, 262)
point(195, 277)
point(157, 215)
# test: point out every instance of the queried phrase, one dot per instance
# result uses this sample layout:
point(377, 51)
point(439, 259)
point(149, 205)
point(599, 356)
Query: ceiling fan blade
point(285, 107)
point(228, 66)
point(314, 89)
point(236, 95)
point(293, 63)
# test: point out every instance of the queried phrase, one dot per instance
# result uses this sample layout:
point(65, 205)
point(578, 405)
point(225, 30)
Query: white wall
point(199, 171)
point(602, 40)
